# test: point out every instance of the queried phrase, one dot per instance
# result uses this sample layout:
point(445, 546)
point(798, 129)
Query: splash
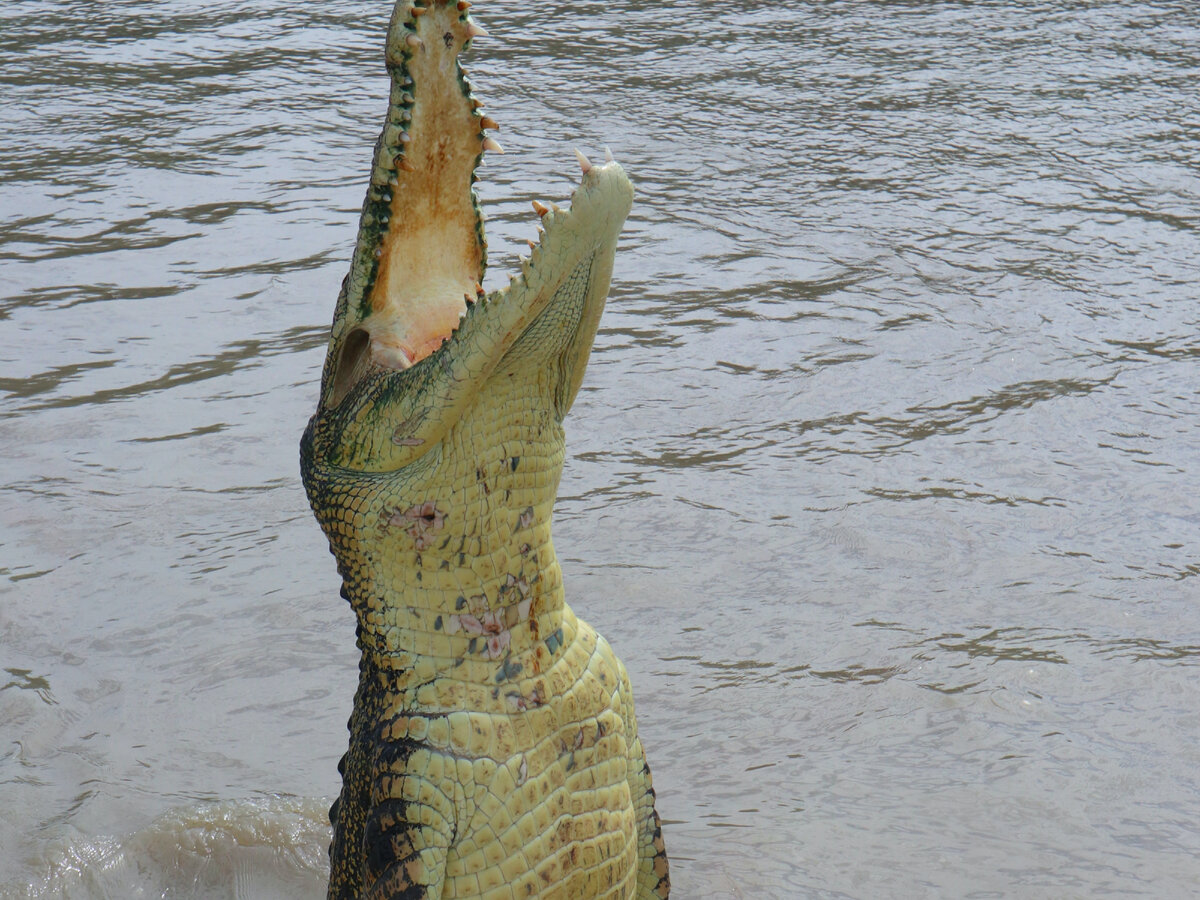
point(264, 849)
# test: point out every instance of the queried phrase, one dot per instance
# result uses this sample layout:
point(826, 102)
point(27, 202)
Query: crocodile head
point(414, 336)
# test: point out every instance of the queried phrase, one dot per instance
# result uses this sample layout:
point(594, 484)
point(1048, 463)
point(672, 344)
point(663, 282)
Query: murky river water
point(885, 481)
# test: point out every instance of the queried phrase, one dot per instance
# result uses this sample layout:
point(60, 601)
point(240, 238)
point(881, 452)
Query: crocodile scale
point(493, 744)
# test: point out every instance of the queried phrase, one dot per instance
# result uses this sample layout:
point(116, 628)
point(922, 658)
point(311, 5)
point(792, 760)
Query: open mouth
point(420, 259)
point(421, 231)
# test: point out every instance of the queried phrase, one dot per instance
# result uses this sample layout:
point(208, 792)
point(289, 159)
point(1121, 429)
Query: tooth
point(419, 10)
point(532, 245)
point(584, 162)
point(608, 157)
point(402, 163)
point(492, 144)
point(540, 207)
point(413, 41)
point(405, 137)
point(463, 5)
point(474, 31)
point(489, 122)
point(476, 103)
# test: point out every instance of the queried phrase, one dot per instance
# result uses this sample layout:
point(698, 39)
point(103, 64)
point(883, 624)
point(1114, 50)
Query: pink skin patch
point(420, 522)
point(521, 584)
point(490, 623)
point(469, 623)
point(497, 644)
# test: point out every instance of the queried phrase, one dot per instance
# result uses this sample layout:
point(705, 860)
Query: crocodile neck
point(460, 567)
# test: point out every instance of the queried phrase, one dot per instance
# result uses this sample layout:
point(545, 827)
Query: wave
point(272, 848)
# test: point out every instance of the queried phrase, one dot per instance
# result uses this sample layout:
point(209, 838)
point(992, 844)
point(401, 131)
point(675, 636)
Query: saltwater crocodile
point(493, 749)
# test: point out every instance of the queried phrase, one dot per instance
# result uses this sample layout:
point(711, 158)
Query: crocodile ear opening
point(352, 362)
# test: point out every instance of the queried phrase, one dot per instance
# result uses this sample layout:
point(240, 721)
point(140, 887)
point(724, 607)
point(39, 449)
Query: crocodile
point(493, 748)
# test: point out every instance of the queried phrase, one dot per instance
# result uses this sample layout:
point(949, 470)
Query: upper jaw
point(421, 250)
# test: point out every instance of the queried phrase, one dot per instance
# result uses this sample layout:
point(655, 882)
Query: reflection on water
point(882, 481)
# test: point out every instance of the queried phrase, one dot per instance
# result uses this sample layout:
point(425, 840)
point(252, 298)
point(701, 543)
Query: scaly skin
point(493, 744)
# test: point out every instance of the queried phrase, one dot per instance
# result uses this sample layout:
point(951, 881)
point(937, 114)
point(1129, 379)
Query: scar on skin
point(490, 624)
point(497, 644)
point(402, 437)
point(420, 522)
point(526, 519)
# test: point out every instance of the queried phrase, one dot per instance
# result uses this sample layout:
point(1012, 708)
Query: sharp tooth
point(402, 163)
point(584, 162)
point(532, 245)
point(608, 157)
point(419, 10)
point(413, 41)
point(463, 5)
point(540, 207)
point(489, 122)
point(404, 137)
point(492, 144)
point(476, 103)
point(474, 31)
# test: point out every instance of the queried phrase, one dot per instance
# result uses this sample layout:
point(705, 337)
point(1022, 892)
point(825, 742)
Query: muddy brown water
point(883, 482)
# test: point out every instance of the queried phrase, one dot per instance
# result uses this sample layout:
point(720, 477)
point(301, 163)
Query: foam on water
point(261, 849)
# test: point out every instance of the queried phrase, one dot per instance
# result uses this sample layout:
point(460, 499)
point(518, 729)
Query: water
point(883, 481)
